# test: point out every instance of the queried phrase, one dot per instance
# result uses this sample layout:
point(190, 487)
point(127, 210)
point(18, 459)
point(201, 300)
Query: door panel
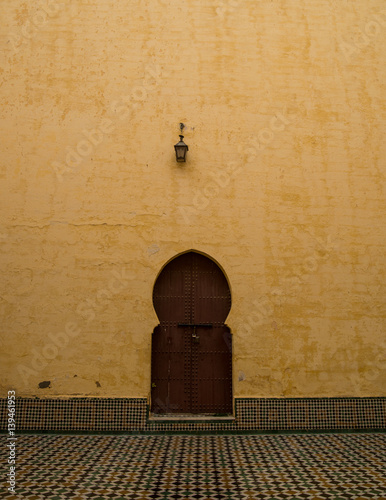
point(191, 348)
point(214, 371)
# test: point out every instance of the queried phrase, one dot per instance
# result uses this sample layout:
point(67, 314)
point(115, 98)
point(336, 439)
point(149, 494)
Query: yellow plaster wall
point(284, 107)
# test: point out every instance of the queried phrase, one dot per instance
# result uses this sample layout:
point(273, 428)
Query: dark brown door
point(192, 347)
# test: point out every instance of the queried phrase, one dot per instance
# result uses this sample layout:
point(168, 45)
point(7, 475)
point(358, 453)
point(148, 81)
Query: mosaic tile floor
point(211, 467)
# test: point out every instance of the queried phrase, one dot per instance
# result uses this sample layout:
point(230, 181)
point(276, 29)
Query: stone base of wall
point(251, 415)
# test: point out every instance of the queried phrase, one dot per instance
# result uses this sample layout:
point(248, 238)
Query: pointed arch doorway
point(191, 347)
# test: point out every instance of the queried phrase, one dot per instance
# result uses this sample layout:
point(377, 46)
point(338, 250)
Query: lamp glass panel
point(180, 150)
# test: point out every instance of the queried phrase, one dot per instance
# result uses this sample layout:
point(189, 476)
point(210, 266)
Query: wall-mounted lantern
point(181, 148)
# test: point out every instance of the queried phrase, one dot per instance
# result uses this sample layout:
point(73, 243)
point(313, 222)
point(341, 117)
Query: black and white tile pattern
point(251, 414)
point(210, 467)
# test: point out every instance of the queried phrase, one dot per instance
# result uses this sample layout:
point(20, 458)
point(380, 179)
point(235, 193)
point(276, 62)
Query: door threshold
point(184, 417)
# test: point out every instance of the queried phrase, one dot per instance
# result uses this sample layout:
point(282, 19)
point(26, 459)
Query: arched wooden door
point(191, 347)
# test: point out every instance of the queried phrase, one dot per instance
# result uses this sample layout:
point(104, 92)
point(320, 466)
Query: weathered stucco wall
point(284, 106)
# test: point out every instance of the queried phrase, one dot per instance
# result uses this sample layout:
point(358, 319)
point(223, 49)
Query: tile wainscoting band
point(251, 415)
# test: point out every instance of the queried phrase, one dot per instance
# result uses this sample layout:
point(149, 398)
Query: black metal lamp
point(181, 148)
